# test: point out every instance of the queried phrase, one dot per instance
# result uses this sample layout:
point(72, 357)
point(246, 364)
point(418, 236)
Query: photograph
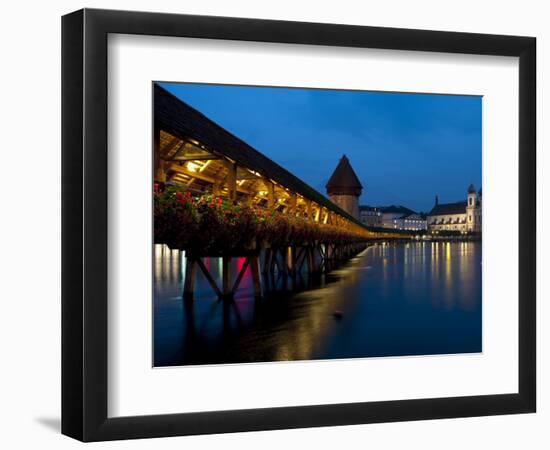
point(275, 225)
point(299, 224)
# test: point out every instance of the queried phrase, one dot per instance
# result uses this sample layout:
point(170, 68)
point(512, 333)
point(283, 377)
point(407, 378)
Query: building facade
point(392, 217)
point(371, 216)
point(412, 222)
point(344, 188)
point(464, 216)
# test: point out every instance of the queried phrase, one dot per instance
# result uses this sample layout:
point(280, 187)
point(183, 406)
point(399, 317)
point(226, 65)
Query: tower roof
point(343, 180)
point(471, 189)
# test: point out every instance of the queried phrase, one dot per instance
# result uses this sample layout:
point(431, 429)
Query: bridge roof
point(183, 121)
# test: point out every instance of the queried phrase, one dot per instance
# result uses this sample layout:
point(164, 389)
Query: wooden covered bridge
point(196, 155)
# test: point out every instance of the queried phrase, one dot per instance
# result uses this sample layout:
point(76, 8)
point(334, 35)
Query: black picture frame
point(84, 224)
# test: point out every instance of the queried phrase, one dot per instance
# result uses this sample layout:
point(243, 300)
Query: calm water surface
point(398, 299)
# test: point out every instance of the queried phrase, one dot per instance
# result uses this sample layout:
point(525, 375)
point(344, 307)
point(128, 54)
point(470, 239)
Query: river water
point(401, 299)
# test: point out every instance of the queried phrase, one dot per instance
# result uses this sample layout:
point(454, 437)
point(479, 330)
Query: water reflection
point(403, 299)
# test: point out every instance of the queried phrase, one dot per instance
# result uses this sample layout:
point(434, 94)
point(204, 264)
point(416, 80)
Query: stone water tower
point(344, 187)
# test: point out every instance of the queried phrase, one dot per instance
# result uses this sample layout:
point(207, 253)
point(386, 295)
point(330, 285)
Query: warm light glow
point(205, 165)
point(253, 172)
point(193, 167)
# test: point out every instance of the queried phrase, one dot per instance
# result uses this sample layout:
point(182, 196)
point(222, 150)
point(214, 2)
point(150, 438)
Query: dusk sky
point(405, 148)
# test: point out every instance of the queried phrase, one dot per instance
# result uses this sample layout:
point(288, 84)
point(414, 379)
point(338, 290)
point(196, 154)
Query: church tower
point(344, 187)
point(479, 212)
point(471, 209)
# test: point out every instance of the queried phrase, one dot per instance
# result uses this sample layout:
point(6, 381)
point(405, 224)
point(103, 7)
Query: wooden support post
point(273, 261)
point(293, 204)
point(312, 261)
point(303, 255)
point(309, 210)
point(190, 277)
point(267, 257)
point(226, 276)
point(293, 260)
point(282, 265)
point(208, 277)
point(256, 277)
point(289, 259)
point(309, 260)
point(270, 194)
point(231, 179)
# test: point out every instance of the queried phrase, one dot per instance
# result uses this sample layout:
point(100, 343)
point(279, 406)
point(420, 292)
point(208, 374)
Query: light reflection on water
point(403, 299)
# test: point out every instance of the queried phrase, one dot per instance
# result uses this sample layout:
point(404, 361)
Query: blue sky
point(405, 148)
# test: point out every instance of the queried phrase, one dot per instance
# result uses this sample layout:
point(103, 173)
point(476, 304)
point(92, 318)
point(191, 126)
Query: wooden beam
point(201, 176)
point(240, 276)
point(208, 277)
point(247, 175)
point(318, 214)
point(167, 149)
point(195, 158)
point(205, 165)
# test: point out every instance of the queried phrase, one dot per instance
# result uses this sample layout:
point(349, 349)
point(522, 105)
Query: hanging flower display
point(208, 224)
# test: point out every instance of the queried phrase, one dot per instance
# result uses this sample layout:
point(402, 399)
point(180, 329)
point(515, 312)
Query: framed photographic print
point(273, 224)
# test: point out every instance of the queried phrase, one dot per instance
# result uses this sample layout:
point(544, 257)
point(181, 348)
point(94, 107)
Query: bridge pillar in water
point(190, 277)
point(256, 276)
point(226, 277)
